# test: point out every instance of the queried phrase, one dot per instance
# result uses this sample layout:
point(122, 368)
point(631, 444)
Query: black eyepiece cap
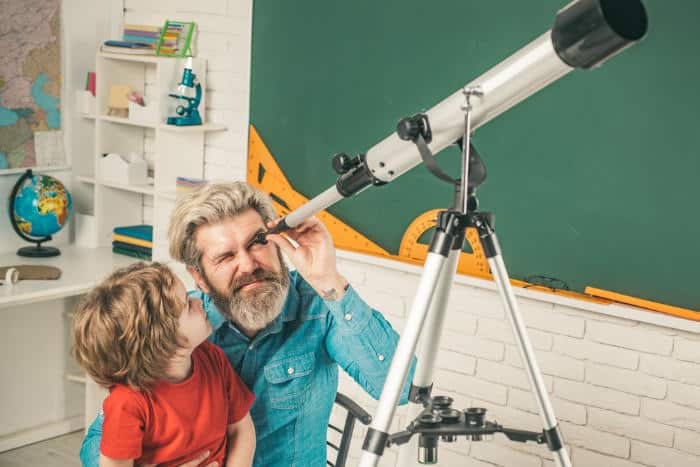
point(588, 32)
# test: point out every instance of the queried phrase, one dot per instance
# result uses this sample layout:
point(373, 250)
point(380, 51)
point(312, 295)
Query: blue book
point(135, 248)
point(142, 231)
point(133, 254)
point(129, 44)
point(140, 39)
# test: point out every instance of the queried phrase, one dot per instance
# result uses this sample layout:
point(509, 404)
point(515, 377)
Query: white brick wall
point(626, 393)
point(688, 350)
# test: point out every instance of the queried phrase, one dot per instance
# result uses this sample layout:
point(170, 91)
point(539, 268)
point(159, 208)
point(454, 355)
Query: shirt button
point(250, 347)
point(290, 370)
point(381, 357)
point(348, 316)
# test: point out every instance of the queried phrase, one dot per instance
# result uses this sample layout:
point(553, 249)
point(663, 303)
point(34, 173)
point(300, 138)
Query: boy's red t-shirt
point(174, 423)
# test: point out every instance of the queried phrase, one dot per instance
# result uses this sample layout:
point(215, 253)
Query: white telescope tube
point(584, 35)
point(522, 74)
point(511, 81)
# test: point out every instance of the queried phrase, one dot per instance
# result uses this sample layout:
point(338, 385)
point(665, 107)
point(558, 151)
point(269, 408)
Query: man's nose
point(246, 261)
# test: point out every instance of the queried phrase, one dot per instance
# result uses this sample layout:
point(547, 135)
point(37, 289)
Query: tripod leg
point(377, 434)
point(427, 352)
point(527, 354)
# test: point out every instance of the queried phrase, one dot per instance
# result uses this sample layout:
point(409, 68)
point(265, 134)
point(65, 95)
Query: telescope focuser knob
point(409, 128)
point(342, 163)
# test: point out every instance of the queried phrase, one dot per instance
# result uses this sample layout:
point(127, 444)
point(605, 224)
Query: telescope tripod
point(438, 420)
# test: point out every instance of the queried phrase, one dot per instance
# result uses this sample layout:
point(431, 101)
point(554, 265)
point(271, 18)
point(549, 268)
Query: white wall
point(626, 392)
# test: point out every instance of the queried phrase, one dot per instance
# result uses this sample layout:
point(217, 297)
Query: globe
point(40, 206)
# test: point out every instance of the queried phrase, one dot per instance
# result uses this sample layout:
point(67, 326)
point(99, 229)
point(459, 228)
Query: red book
point(91, 82)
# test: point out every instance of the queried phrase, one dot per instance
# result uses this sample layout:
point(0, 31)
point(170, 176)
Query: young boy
point(173, 395)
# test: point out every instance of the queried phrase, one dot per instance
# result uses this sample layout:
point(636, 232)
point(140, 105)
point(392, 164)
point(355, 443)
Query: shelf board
point(207, 127)
point(87, 116)
point(131, 57)
point(192, 128)
point(80, 379)
point(126, 121)
point(167, 194)
point(146, 189)
point(84, 179)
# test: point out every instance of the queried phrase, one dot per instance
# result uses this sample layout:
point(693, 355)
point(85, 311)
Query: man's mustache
point(258, 275)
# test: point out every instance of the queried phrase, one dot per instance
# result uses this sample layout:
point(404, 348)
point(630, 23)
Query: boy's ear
point(198, 279)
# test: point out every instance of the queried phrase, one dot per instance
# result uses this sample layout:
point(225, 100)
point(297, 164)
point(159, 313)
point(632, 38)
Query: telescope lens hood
point(588, 32)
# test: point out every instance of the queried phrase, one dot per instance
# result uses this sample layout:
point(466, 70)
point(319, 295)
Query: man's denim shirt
point(291, 368)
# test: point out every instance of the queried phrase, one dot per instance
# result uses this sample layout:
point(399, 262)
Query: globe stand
point(36, 251)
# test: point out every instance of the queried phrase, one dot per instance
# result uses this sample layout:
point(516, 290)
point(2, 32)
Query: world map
point(30, 77)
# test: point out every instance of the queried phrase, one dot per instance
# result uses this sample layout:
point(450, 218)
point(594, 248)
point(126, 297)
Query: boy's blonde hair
point(125, 331)
point(209, 204)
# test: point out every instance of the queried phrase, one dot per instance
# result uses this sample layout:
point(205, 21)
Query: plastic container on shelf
point(142, 113)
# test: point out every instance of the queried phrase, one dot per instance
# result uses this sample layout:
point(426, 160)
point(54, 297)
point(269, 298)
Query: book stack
point(185, 185)
point(128, 47)
point(141, 33)
point(133, 240)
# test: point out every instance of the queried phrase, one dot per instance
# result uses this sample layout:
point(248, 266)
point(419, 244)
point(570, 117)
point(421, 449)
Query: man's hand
point(192, 463)
point(314, 258)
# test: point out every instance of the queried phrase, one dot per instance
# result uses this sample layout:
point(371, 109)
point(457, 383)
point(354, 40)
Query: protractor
point(413, 250)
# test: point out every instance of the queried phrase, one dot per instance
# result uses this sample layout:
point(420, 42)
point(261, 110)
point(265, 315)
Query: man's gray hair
point(210, 204)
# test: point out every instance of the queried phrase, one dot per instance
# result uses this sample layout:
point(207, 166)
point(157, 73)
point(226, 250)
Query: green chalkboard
point(593, 180)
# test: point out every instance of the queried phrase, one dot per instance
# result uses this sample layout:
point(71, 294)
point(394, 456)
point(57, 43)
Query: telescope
point(585, 34)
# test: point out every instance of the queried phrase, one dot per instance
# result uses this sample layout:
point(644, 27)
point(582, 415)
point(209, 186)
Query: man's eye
point(224, 258)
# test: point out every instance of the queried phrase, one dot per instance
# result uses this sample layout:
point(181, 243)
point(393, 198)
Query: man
point(285, 333)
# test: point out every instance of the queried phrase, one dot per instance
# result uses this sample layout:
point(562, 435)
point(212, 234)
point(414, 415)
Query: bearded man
point(285, 333)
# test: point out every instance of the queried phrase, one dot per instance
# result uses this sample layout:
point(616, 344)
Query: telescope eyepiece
point(428, 449)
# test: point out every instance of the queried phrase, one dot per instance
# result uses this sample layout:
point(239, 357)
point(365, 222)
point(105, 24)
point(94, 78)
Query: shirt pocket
point(289, 381)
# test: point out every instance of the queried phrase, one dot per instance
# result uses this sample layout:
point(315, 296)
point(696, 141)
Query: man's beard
point(253, 309)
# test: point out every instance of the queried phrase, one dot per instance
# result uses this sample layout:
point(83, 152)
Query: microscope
point(187, 112)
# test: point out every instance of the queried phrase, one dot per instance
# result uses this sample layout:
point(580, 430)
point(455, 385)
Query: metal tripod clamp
point(468, 92)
